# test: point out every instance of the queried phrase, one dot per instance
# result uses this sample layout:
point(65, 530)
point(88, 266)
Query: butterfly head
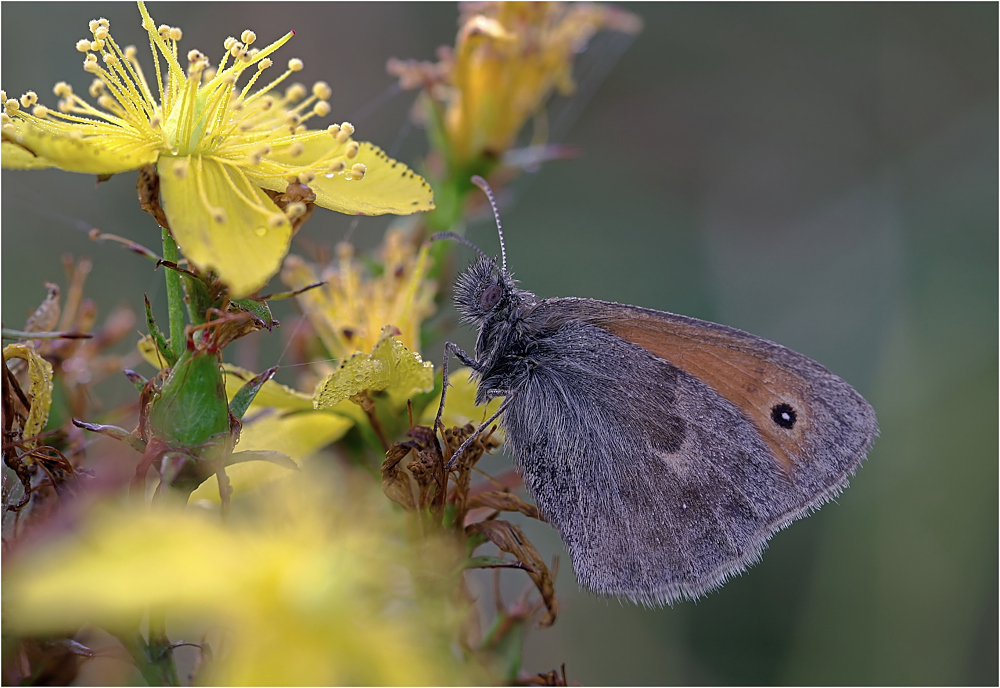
point(486, 290)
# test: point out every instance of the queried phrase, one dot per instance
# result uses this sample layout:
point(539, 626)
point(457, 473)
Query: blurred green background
point(821, 175)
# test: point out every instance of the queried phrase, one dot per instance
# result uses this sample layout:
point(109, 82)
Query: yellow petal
point(390, 366)
point(388, 186)
point(271, 393)
point(75, 153)
point(297, 435)
point(17, 157)
point(411, 373)
point(40, 389)
point(134, 562)
point(276, 395)
point(223, 222)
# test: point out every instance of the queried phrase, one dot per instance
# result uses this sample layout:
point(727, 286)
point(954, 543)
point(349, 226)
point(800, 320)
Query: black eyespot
point(784, 415)
point(490, 297)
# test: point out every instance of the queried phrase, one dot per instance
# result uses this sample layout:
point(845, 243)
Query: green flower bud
point(191, 407)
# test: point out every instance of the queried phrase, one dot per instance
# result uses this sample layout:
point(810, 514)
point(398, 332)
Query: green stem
point(175, 296)
point(161, 654)
point(156, 671)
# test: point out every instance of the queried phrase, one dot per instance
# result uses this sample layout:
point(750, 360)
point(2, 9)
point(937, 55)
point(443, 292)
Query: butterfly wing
point(667, 450)
point(817, 426)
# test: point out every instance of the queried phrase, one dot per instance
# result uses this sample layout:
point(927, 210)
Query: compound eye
point(490, 297)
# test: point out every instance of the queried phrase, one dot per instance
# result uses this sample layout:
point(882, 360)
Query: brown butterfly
point(666, 450)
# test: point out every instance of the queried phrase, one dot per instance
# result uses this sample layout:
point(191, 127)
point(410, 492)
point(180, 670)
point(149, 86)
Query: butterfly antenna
point(460, 239)
point(482, 184)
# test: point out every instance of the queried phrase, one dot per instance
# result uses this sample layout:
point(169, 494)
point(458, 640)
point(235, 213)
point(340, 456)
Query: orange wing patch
point(771, 396)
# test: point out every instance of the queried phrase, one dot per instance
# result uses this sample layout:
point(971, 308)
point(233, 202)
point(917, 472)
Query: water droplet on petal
point(260, 231)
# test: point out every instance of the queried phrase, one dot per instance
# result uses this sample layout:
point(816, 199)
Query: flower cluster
point(216, 144)
point(349, 311)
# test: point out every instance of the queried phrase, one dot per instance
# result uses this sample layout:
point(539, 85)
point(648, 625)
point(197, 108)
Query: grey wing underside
point(660, 488)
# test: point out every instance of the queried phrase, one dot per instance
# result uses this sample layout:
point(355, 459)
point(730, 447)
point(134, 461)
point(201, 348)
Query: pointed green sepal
point(196, 297)
point(258, 309)
point(113, 431)
point(154, 331)
point(136, 379)
point(244, 397)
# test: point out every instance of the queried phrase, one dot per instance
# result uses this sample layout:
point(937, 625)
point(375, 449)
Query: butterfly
point(666, 450)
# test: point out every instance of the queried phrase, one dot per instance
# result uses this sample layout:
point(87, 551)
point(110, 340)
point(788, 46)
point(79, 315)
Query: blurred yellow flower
point(311, 583)
point(369, 323)
point(216, 146)
point(508, 58)
point(350, 310)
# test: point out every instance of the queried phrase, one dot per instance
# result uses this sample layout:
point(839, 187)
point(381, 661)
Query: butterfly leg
point(479, 431)
point(451, 348)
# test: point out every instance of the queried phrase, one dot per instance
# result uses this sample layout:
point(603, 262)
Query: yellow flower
point(508, 58)
point(371, 324)
point(350, 310)
point(312, 582)
point(216, 146)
